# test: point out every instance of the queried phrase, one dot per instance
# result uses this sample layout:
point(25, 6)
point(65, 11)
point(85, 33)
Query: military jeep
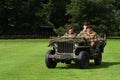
point(74, 49)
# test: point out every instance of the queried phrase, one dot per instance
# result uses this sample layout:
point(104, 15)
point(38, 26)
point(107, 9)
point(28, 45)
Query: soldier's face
point(70, 31)
point(89, 29)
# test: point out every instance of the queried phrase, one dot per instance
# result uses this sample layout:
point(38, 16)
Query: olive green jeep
point(76, 49)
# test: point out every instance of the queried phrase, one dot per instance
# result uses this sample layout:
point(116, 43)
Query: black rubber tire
point(49, 62)
point(98, 60)
point(83, 59)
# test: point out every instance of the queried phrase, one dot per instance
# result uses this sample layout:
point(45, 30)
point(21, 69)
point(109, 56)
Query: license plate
point(64, 56)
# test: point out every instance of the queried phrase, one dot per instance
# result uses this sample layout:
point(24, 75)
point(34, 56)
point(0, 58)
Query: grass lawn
point(25, 60)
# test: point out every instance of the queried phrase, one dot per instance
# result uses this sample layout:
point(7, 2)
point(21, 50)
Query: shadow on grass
point(91, 65)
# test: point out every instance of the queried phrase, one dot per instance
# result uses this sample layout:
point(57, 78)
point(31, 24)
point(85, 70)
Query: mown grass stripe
point(25, 60)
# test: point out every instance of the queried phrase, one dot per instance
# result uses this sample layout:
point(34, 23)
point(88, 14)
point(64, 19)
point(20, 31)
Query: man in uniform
point(70, 32)
point(92, 35)
point(89, 34)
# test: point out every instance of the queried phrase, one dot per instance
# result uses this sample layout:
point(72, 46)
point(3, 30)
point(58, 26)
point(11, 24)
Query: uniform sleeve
point(78, 34)
point(81, 33)
point(95, 37)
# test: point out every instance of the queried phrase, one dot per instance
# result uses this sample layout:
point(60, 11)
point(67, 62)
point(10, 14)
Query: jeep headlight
point(55, 45)
point(76, 45)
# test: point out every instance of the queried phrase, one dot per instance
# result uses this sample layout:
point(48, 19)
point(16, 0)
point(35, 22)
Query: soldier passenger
point(70, 32)
point(89, 34)
point(92, 35)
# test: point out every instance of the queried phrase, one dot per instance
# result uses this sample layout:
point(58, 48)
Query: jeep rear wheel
point(83, 59)
point(98, 59)
point(49, 62)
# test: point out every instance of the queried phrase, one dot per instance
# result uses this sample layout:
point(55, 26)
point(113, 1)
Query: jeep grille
point(65, 47)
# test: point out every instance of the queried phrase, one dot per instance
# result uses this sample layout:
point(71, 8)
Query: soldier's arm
point(95, 37)
point(80, 34)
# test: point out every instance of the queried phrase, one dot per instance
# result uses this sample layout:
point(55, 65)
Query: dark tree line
point(24, 17)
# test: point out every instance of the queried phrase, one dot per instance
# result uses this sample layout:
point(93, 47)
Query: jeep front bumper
point(61, 56)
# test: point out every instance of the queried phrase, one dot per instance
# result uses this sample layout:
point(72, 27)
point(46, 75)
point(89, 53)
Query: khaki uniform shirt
point(92, 35)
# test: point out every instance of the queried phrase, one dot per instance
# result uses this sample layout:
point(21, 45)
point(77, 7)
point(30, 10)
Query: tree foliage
point(24, 16)
point(100, 13)
point(57, 16)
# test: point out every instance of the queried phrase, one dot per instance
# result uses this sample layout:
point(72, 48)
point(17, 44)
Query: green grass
point(25, 60)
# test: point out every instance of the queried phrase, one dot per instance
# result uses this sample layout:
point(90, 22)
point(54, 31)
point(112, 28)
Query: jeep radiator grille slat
point(65, 47)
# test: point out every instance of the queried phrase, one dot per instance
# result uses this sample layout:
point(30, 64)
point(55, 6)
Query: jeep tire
point(83, 59)
point(49, 62)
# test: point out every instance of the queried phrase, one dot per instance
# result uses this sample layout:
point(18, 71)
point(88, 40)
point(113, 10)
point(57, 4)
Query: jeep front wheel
point(49, 62)
point(83, 59)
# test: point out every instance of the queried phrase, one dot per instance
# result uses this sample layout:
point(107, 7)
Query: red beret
point(70, 28)
point(89, 26)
